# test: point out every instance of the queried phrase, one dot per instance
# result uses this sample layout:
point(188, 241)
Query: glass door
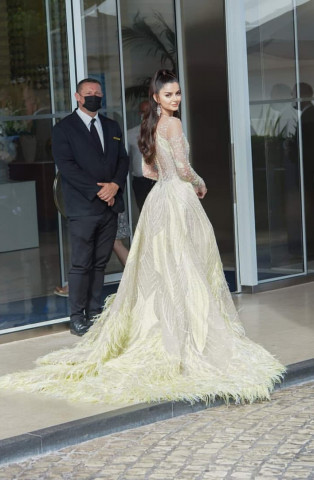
point(98, 56)
point(34, 93)
point(274, 86)
point(148, 38)
point(280, 71)
point(206, 91)
point(304, 91)
point(121, 44)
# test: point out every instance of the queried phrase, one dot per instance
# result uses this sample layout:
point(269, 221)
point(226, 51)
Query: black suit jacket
point(82, 164)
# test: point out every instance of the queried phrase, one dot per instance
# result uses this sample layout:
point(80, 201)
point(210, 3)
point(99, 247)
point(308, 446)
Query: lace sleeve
point(180, 153)
point(149, 171)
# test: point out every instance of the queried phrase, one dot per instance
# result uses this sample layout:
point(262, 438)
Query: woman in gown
point(172, 331)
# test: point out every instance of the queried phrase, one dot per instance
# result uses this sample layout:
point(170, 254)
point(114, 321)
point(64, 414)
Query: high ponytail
point(146, 141)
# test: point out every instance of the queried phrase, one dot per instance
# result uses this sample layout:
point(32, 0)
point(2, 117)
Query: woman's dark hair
point(146, 141)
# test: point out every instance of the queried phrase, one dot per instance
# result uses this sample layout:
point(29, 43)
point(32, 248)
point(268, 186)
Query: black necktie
point(94, 134)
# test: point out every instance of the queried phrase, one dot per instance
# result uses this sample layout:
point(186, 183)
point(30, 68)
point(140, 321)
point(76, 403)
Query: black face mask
point(92, 103)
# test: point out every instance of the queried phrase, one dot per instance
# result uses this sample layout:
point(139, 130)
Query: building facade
point(246, 69)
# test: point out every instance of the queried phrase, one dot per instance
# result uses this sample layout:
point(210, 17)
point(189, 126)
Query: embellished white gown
point(171, 332)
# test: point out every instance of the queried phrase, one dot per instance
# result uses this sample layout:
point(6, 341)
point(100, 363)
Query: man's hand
point(108, 191)
point(111, 202)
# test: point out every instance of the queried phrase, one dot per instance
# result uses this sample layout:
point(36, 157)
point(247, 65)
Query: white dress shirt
point(87, 119)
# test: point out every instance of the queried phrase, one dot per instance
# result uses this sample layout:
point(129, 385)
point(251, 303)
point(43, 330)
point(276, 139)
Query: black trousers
point(141, 186)
point(92, 240)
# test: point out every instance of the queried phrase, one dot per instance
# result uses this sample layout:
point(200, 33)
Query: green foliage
point(156, 39)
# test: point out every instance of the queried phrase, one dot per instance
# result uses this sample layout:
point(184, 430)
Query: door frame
point(243, 217)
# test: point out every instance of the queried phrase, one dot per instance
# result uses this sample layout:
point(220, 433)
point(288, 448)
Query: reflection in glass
point(59, 57)
point(102, 60)
point(149, 43)
point(305, 21)
point(274, 111)
point(206, 83)
point(102, 53)
point(277, 196)
point(29, 228)
point(306, 110)
point(270, 46)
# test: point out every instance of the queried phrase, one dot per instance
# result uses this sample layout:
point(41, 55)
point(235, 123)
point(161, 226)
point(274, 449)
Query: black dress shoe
point(90, 318)
point(78, 328)
point(89, 323)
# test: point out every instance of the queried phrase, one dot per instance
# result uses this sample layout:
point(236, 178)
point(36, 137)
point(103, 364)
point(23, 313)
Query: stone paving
point(264, 441)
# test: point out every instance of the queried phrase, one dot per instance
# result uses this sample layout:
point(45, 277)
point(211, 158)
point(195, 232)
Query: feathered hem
point(146, 372)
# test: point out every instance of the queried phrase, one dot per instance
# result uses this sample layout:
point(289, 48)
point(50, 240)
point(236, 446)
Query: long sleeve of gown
point(149, 171)
point(181, 155)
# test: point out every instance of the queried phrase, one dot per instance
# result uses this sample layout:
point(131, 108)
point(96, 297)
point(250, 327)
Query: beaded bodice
point(172, 154)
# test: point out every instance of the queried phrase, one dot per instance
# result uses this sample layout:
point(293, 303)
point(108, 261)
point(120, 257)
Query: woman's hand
point(201, 191)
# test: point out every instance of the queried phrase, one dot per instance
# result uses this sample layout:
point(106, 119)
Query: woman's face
point(169, 98)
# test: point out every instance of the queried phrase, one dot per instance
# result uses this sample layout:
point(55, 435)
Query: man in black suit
point(90, 155)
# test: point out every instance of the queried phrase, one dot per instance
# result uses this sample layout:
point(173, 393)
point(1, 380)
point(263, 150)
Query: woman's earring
point(158, 110)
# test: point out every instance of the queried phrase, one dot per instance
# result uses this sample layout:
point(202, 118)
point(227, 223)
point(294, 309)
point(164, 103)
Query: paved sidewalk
point(266, 441)
point(280, 320)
